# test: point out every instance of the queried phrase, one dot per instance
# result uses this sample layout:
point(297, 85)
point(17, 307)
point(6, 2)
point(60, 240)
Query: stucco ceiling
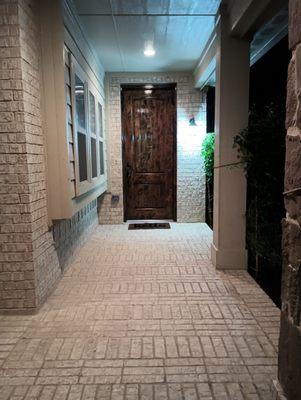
point(118, 30)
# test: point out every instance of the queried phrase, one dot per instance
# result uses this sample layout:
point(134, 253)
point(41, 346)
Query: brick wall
point(24, 230)
point(190, 174)
point(290, 334)
point(69, 234)
point(29, 258)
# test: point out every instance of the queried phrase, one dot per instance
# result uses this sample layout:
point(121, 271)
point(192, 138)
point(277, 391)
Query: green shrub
point(261, 151)
point(207, 153)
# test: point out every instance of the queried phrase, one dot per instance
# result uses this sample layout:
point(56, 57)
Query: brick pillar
point(290, 333)
point(28, 263)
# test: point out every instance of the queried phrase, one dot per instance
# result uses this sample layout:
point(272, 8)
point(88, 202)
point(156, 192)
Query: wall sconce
point(192, 121)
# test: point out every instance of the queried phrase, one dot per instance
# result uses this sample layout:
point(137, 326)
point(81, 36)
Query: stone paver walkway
point(143, 315)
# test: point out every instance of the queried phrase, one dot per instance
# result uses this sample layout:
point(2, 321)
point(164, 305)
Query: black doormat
point(150, 225)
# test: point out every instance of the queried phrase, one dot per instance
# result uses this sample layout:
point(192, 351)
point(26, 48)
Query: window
point(100, 140)
point(92, 113)
point(80, 121)
point(82, 156)
point(87, 118)
point(101, 160)
point(100, 120)
point(80, 103)
point(94, 157)
point(80, 124)
point(92, 116)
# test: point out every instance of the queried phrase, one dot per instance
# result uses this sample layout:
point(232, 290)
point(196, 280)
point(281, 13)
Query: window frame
point(81, 187)
point(101, 138)
point(92, 135)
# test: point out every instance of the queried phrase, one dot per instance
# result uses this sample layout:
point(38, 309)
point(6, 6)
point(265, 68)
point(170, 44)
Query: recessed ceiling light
point(149, 52)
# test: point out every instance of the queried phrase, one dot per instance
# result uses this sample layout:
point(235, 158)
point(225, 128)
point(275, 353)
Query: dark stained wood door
point(149, 152)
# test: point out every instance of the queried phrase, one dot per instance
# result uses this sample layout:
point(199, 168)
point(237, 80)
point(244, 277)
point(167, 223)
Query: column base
point(229, 259)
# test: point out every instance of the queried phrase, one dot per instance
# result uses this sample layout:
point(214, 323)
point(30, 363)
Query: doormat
point(150, 225)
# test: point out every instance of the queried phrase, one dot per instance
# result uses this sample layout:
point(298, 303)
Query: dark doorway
point(210, 128)
point(149, 151)
point(210, 109)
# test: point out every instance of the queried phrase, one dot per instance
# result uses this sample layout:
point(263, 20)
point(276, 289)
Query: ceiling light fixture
point(149, 50)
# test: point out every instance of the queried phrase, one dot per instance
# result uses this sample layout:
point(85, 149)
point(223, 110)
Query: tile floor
point(144, 315)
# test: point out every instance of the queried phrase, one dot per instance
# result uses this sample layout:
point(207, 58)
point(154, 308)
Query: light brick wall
point(26, 244)
point(46, 265)
point(190, 173)
point(29, 258)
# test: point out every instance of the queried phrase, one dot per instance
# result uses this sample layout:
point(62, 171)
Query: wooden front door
point(149, 152)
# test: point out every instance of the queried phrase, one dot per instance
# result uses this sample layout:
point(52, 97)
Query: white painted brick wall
point(190, 173)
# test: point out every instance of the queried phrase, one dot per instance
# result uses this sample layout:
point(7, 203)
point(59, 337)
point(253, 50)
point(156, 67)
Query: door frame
point(142, 86)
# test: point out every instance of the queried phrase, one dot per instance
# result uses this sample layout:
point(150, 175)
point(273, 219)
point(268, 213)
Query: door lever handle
point(129, 171)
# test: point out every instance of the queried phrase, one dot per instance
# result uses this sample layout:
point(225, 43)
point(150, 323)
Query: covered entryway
point(149, 152)
point(148, 314)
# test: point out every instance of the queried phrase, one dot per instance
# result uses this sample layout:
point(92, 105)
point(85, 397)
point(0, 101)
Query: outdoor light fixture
point(149, 50)
point(192, 121)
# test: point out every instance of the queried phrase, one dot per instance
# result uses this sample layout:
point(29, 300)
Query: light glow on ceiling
point(149, 50)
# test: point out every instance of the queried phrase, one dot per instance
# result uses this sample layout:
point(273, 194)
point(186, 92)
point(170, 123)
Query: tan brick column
point(28, 263)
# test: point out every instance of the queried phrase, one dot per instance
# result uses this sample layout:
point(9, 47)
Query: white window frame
point(99, 102)
point(93, 135)
point(91, 182)
point(81, 187)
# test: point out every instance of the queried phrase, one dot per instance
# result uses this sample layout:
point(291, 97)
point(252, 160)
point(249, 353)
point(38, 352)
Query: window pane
point(80, 103)
point(92, 113)
point(101, 161)
point(100, 120)
point(94, 158)
point(82, 156)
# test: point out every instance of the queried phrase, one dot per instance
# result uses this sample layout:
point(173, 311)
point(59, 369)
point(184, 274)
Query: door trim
point(167, 86)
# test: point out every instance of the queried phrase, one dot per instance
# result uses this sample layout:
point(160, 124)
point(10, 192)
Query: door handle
point(129, 172)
